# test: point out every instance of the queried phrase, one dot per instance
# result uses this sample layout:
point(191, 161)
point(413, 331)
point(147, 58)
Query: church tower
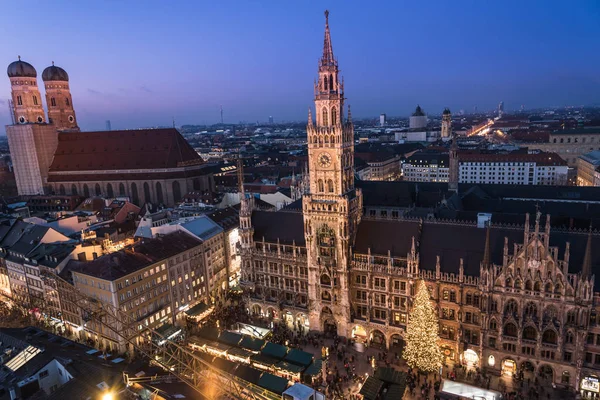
point(446, 124)
point(58, 98)
point(26, 98)
point(333, 206)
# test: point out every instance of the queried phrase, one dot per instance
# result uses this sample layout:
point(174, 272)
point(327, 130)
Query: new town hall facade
point(511, 298)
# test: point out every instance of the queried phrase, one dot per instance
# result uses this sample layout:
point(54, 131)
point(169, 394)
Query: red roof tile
point(131, 149)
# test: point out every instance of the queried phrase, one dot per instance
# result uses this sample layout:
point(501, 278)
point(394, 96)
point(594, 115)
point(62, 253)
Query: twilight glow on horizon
point(141, 64)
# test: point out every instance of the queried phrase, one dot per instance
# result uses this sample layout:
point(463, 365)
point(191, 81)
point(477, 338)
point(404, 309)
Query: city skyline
point(185, 63)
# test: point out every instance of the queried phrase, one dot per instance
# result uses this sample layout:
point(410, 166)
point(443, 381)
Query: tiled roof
point(130, 149)
point(286, 226)
point(124, 262)
point(539, 158)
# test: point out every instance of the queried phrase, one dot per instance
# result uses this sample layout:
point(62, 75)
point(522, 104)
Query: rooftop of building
point(542, 158)
point(133, 258)
point(88, 370)
point(593, 157)
point(127, 149)
point(203, 227)
point(578, 131)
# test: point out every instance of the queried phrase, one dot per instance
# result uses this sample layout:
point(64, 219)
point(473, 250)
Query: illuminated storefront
point(590, 387)
point(509, 367)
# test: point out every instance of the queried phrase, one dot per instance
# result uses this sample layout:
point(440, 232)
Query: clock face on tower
point(324, 160)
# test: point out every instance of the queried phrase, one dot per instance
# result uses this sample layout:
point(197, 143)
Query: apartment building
point(494, 168)
point(152, 281)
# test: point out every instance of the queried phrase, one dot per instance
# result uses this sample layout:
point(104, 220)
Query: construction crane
point(209, 381)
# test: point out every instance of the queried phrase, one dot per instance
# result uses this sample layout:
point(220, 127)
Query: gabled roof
point(286, 226)
point(128, 149)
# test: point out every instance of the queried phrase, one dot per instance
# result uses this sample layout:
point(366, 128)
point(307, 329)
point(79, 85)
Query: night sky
point(140, 64)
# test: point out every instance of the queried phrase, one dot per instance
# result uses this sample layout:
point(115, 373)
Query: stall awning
point(468, 391)
point(196, 310)
point(264, 360)
point(395, 392)
point(209, 332)
point(291, 368)
point(168, 331)
point(299, 357)
point(274, 350)
point(223, 364)
point(230, 338)
point(220, 347)
point(273, 383)
point(390, 375)
point(251, 343)
point(371, 388)
point(237, 352)
point(315, 368)
point(248, 374)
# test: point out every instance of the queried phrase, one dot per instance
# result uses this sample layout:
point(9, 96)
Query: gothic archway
point(98, 190)
point(134, 194)
point(121, 189)
point(377, 338)
point(62, 190)
point(74, 190)
point(86, 190)
point(109, 191)
point(147, 197)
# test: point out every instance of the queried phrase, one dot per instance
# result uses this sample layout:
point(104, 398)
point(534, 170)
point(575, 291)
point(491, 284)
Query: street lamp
point(108, 396)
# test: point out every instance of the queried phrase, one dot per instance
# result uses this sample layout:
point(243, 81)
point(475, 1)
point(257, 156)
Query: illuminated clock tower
point(332, 210)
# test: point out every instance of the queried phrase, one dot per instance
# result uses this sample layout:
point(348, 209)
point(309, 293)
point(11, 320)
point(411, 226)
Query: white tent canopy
point(468, 391)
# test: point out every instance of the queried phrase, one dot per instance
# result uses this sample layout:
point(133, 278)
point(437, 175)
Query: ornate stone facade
point(510, 298)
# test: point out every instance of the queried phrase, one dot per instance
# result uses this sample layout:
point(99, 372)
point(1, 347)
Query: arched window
point(333, 116)
point(325, 116)
point(493, 325)
point(510, 329)
point(147, 197)
point(330, 186)
point(326, 140)
point(528, 285)
point(517, 284)
point(159, 193)
point(548, 287)
point(121, 189)
point(330, 82)
point(531, 310)
point(35, 101)
point(325, 86)
point(61, 190)
point(196, 184)
point(98, 190)
point(569, 338)
point(549, 336)
point(86, 190)
point(176, 192)
point(67, 102)
point(508, 282)
point(537, 286)
point(320, 186)
point(74, 190)
point(511, 307)
point(134, 194)
point(529, 333)
point(109, 191)
point(325, 280)
point(325, 295)
point(550, 313)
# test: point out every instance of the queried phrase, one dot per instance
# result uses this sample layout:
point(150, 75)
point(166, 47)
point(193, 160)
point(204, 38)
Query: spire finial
point(19, 58)
point(486, 250)
point(328, 58)
point(53, 63)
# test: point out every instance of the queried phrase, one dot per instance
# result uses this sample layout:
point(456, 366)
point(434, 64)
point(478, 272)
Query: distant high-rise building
point(382, 119)
point(418, 119)
point(446, 124)
point(501, 109)
point(522, 107)
point(108, 127)
point(271, 119)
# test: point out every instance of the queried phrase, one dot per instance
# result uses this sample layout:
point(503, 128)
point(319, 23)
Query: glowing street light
point(108, 396)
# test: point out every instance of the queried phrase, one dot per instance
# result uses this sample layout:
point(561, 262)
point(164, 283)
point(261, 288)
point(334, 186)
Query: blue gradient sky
point(142, 63)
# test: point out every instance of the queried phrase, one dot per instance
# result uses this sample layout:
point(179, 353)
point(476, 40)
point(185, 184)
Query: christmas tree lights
point(422, 349)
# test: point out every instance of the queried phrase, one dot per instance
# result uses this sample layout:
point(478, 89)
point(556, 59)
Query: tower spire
point(310, 120)
point(586, 270)
point(327, 47)
point(486, 252)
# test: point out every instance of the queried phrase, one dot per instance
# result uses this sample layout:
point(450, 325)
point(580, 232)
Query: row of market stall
point(259, 355)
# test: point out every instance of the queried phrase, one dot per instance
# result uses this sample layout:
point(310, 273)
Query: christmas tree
point(422, 350)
